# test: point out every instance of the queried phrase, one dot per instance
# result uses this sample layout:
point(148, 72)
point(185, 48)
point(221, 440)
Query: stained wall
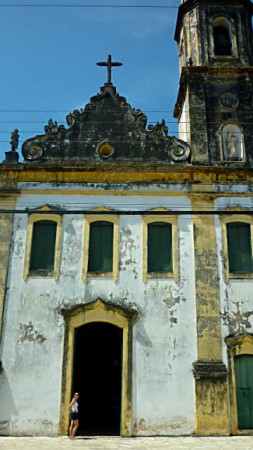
point(164, 334)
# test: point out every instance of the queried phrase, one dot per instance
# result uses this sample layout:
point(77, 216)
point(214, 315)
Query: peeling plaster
point(29, 334)
point(237, 321)
point(171, 300)
point(127, 249)
point(155, 333)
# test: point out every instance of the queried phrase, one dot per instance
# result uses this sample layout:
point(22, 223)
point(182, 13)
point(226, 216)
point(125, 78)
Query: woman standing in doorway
point(74, 424)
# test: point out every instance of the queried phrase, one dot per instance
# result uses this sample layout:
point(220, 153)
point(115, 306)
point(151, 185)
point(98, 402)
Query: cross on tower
point(109, 64)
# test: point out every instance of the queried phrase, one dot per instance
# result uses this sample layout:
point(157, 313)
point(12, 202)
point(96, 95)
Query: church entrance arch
point(97, 364)
point(97, 376)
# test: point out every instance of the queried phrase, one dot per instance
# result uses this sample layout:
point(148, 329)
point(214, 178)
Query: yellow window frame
point(225, 221)
point(173, 221)
point(88, 220)
point(34, 218)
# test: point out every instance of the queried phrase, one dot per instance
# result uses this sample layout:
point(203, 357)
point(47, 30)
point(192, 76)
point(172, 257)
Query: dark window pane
point(239, 247)
point(160, 247)
point(43, 245)
point(101, 247)
point(222, 42)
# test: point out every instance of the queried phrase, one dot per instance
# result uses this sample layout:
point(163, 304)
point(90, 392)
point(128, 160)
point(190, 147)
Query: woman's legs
point(73, 427)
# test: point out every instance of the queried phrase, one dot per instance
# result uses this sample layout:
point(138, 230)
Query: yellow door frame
point(237, 345)
point(98, 311)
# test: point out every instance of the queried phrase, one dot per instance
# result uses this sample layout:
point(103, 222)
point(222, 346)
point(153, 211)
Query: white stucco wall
point(164, 336)
point(236, 295)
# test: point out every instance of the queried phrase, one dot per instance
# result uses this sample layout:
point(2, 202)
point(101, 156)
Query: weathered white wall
point(164, 337)
point(236, 301)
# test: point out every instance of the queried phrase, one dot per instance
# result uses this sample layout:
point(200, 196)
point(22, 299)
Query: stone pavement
point(117, 443)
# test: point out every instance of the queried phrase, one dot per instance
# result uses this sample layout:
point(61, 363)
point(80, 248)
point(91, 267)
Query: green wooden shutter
point(160, 247)
point(244, 390)
point(43, 245)
point(239, 247)
point(101, 247)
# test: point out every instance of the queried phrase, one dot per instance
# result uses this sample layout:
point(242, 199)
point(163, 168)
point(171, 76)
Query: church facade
point(126, 268)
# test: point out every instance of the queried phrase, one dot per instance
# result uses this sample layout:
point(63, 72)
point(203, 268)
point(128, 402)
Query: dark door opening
point(97, 376)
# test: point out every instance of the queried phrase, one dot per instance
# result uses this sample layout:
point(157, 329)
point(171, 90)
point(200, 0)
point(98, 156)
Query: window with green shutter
point(239, 247)
point(101, 247)
point(160, 257)
point(43, 245)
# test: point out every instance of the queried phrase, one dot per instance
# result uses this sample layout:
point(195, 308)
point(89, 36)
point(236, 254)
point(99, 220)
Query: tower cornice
point(188, 5)
point(207, 73)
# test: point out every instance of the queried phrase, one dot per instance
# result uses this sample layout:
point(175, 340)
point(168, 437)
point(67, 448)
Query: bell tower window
point(222, 37)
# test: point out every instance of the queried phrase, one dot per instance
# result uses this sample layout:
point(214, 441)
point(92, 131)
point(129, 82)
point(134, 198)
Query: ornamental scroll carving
point(140, 117)
point(160, 129)
point(179, 151)
point(33, 151)
point(53, 127)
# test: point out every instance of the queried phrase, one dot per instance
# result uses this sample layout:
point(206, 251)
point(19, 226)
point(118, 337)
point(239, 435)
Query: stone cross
point(109, 64)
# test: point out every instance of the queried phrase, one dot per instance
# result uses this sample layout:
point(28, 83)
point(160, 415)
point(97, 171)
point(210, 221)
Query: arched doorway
point(240, 351)
point(97, 376)
point(95, 327)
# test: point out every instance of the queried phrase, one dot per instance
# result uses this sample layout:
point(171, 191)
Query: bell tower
point(214, 105)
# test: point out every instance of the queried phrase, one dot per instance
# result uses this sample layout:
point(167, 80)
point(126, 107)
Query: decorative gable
point(107, 129)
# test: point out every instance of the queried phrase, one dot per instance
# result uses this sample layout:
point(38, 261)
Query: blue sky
point(49, 55)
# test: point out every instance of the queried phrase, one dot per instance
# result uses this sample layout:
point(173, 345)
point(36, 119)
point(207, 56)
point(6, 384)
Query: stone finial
point(12, 156)
point(14, 140)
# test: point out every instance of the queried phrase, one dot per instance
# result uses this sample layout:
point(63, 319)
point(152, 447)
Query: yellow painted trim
point(97, 312)
point(224, 221)
point(195, 34)
point(114, 219)
point(173, 220)
point(241, 345)
point(211, 394)
point(196, 189)
point(127, 173)
point(6, 227)
point(207, 285)
point(113, 192)
point(33, 218)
